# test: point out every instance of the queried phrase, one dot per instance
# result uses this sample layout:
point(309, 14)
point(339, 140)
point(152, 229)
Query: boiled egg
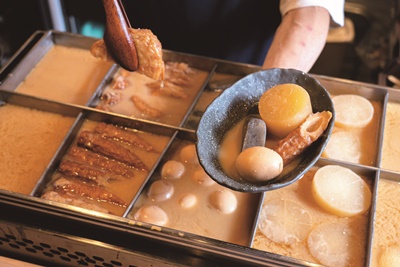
point(172, 169)
point(258, 164)
point(223, 201)
point(151, 214)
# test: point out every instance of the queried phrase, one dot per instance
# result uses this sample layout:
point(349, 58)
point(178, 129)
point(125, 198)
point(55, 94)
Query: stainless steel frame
point(54, 234)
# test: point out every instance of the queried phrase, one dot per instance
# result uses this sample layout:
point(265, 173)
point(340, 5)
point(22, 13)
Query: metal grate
point(61, 250)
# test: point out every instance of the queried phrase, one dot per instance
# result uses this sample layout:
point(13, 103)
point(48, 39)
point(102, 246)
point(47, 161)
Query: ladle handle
point(117, 38)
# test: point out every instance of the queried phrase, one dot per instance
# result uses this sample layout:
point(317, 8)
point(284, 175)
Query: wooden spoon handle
point(117, 38)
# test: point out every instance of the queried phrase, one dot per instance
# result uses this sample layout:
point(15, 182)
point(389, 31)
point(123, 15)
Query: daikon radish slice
point(390, 257)
point(352, 110)
point(340, 191)
point(284, 107)
point(343, 145)
point(329, 243)
point(284, 221)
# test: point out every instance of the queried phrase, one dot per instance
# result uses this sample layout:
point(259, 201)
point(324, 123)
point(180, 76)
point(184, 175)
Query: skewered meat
point(110, 148)
point(76, 169)
point(83, 155)
point(87, 190)
point(111, 131)
point(66, 199)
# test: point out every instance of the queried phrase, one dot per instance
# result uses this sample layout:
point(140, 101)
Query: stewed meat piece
point(88, 157)
point(110, 148)
point(111, 131)
point(90, 191)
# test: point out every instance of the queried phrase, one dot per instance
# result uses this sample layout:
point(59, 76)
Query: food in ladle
point(258, 164)
point(148, 48)
point(254, 132)
point(303, 136)
point(284, 107)
point(288, 148)
point(341, 191)
point(352, 110)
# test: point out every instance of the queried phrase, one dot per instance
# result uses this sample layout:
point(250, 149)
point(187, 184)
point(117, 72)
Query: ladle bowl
point(235, 103)
point(118, 40)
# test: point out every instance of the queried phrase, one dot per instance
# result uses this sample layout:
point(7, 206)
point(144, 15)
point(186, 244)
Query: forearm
point(299, 39)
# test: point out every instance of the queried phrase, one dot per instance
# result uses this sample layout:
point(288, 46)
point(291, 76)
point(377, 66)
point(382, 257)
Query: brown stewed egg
point(258, 163)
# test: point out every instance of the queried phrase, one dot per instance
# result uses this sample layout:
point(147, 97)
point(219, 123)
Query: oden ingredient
point(259, 164)
point(334, 244)
point(303, 136)
point(340, 191)
point(149, 51)
point(284, 221)
point(386, 241)
point(352, 110)
point(390, 257)
point(284, 107)
point(344, 146)
point(152, 214)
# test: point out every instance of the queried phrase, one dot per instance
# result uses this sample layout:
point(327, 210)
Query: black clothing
point(233, 30)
